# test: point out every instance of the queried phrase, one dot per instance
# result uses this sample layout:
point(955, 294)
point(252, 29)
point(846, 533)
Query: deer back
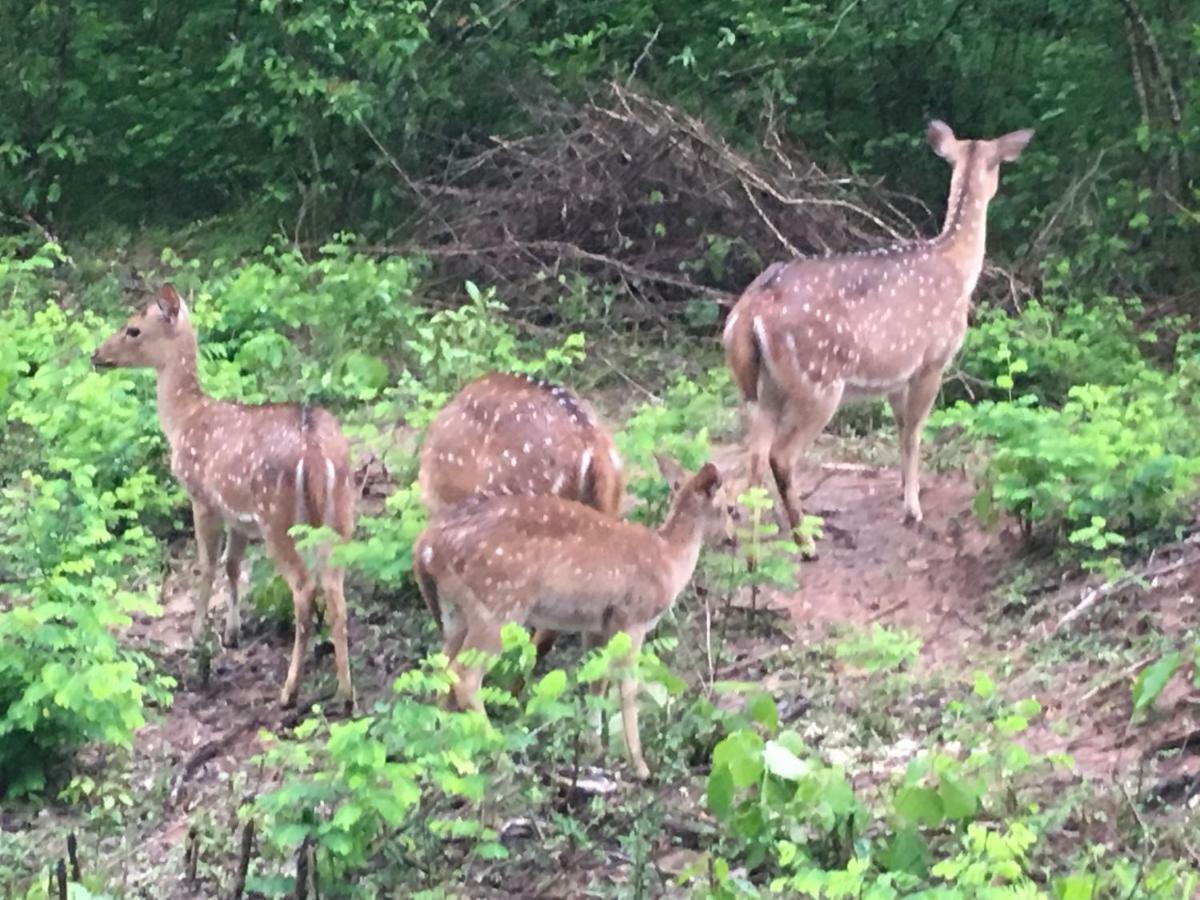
point(512, 435)
point(868, 321)
point(265, 467)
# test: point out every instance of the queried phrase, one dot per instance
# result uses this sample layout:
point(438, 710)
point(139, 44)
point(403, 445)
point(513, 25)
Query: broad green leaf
point(1153, 679)
point(920, 805)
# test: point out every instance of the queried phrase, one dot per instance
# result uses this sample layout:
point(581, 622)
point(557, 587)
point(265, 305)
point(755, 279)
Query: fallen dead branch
point(636, 193)
point(1092, 596)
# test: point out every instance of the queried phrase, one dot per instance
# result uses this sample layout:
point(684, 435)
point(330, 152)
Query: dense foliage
point(277, 159)
point(130, 112)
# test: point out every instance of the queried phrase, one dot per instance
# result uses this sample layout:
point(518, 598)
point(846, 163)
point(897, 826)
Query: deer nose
point(98, 362)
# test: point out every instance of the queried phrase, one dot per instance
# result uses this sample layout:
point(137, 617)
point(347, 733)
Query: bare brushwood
point(632, 190)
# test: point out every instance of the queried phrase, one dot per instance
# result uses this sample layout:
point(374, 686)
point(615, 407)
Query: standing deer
point(257, 470)
point(809, 333)
point(558, 564)
point(511, 434)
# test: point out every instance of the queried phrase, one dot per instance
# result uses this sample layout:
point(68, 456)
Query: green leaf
point(762, 709)
point(741, 754)
point(984, 687)
point(552, 685)
point(782, 762)
point(1153, 679)
point(920, 805)
point(958, 801)
point(720, 791)
point(907, 852)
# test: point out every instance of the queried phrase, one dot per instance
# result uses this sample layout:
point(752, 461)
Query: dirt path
point(871, 567)
point(939, 581)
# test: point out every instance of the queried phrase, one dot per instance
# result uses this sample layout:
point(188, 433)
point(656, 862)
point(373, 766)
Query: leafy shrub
point(1114, 463)
point(795, 822)
point(1055, 345)
point(407, 785)
point(76, 479)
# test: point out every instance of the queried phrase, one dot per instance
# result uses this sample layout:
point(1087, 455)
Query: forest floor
point(945, 582)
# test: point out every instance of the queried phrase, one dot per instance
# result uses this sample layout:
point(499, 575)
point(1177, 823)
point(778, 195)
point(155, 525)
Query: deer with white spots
point(557, 564)
point(508, 434)
point(254, 470)
point(811, 332)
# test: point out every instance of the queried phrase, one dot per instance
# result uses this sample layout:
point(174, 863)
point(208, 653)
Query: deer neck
point(964, 234)
point(179, 392)
point(683, 533)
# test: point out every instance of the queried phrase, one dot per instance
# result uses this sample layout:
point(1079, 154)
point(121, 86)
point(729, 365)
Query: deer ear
point(670, 469)
point(169, 302)
point(1009, 146)
point(707, 480)
point(942, 140)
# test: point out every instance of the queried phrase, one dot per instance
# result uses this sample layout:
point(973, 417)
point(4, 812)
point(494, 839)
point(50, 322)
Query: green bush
point(1115, 463)
point(1058, 345)
point(80, 462)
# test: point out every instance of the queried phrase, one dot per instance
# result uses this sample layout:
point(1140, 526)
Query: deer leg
point(919, 396)
point(761, 434)
point(335, 604)
point(207, 524)
point(235, 552)
point(598, 688)
point(543, 640)
point(897, 400)
point(484, 638)
point(282, 550)
point(629, 708)
point(806, 420)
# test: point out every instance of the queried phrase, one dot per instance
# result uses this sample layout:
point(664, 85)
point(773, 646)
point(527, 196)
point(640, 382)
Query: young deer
point(258, 470)
point(558, 564)
point(512, 434)
point(809, 333)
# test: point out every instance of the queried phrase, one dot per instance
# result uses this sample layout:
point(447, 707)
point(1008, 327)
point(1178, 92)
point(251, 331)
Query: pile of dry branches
point(630, 189)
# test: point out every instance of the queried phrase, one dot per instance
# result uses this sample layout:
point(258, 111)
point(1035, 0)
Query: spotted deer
point(557, 564)
point(809, 333)
point(253, 470)
point(508, 434)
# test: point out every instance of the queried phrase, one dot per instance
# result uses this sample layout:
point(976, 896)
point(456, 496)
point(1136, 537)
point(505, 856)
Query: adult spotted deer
point(512, 434)
point(558, 564)
point(809, 333)
point(508, 434)
point(256, 470)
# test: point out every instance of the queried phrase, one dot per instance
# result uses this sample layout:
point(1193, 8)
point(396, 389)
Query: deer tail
point(743, 353)
point(426, 582)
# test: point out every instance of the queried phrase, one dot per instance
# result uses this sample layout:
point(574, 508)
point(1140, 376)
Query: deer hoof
point(287, 699)
point(232, 635)
point(641, 771)
point(345, 702)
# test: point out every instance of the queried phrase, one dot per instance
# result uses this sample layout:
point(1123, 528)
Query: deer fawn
point(258, 470)
point(809, 333)
point(512, 434)
point(558, 564)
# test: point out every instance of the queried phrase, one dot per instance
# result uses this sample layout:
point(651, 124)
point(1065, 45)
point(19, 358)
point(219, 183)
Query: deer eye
point(132, 332)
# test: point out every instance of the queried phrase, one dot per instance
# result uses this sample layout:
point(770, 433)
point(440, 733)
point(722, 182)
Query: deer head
point(154, 338)
point(979, 161)
point(703, 497)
